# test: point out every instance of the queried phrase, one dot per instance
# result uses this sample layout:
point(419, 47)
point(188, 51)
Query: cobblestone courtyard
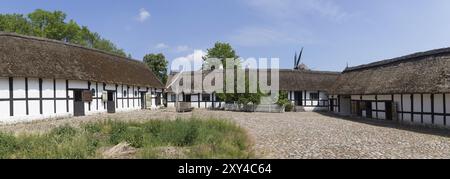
point(300, 135)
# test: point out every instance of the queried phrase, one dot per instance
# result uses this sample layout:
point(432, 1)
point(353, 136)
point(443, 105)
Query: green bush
point(289, 107)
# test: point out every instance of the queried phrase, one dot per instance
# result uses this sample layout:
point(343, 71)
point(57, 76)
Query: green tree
point(16, 23)
point(224, 51)
point(158, 64)
point(221, 51)
point(48, 24)
point(53, 25)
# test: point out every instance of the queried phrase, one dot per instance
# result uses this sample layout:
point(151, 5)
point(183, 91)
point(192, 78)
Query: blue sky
point(333, 33)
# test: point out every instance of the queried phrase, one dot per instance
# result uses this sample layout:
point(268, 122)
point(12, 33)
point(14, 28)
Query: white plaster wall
point(384, 97)
point(33, 88)
point(426, 103)
point(60, 89)
point(73, 84)
point(438, 103)
point(48, 107)
point(47, 88)
point(4, 88)
point(407, 103)
point(19, 108)
point(4, 110)
point(19, 87)
point(111, 87)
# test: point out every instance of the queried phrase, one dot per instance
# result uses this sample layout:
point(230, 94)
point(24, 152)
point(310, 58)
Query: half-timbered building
point(307, 90)
point(42, 78)
point(411, 89)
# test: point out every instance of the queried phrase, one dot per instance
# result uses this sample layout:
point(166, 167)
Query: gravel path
point(301, 135)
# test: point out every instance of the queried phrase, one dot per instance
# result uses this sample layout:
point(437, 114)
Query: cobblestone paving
point(300, 135)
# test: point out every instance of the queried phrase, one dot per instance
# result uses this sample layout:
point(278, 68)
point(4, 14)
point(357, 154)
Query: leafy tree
point(16, 23)
point(53, 25)
point(223, 51)
point(158, 64)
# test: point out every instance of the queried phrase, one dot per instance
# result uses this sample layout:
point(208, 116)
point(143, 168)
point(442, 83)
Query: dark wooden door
point(78, 104)
point(389, 111)
point(187, 98)
point(143, 102)
point(369, 109)
point(111, 105)
point(298, 96)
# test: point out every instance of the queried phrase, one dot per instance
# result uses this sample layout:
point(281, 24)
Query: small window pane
point(314, 96)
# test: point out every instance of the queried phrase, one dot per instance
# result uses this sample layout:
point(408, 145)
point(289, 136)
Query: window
point(206, 97)
point(93, 92)
point(124, 93)
point(314, 96)
point(173, 97)
point(135, 93)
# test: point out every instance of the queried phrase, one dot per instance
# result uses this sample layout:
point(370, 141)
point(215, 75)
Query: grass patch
point(193, 138)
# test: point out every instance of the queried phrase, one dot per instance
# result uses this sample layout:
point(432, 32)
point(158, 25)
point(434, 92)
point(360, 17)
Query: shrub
point(289, 107)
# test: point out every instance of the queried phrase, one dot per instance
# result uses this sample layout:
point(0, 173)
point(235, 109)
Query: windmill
point(297, 60)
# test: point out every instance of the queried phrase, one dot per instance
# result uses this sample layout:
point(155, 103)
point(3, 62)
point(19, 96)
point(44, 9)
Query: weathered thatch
point(425, 72)
point(23, 56)
point(289, 80)
point(303, 80)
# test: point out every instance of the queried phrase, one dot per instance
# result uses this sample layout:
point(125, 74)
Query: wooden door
point(78, 104)
point(111, 105)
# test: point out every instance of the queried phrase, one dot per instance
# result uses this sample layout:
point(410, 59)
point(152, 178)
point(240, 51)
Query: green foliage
point(284, 101)
point(221, 51)
point(53, 25)
point(158, 64)
point(224, 51)
point(197, 138)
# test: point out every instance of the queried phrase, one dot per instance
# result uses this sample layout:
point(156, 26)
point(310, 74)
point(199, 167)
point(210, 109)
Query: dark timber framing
point(41, 110)
point(421, 108)
point(445, 109)
point(96, 95)
point(27, 109)
point(11, 97)
point(54, 96)
point(415, 113)
point(67, 95)
point(89, 103)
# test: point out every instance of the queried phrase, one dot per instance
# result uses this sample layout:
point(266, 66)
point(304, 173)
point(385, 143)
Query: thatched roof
point(301, 80)
point(290, 80)
point(424, 72)
point(24, 56)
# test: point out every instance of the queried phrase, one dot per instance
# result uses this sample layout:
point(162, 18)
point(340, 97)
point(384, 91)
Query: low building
point(42, 78)
point(307, 90)
point(411, 89)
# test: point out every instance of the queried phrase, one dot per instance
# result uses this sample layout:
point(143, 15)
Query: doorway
point(143, 103)
point(369, 109)
point(78, 104)
point(389, 111)
point(111, 105)
point(298, 95)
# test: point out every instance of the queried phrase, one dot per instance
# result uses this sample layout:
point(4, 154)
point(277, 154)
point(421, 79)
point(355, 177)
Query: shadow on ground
point(423, 129)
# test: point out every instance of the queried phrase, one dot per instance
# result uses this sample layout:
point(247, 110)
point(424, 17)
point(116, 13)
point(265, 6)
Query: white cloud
point(143, 15)
point(190, 62)
point(161, 46)
point(294, 9)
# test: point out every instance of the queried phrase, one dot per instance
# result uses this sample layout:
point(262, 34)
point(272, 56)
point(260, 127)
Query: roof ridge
point(399, 59)
point(10, 34)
